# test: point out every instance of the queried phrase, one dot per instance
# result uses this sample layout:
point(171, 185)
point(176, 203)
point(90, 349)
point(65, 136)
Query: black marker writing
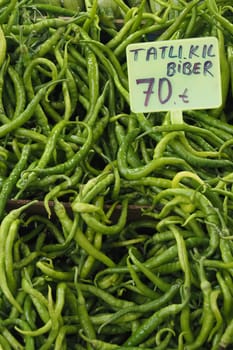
point(165, 52)
point(189, 68)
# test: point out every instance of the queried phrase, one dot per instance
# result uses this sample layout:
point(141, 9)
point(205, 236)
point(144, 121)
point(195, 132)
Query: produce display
point(135, 247)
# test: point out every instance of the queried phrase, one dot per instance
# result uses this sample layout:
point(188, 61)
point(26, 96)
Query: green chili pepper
point(207, 314)
point(5, 225)
point(149, 325)
point(149, 306)
point(9, 184)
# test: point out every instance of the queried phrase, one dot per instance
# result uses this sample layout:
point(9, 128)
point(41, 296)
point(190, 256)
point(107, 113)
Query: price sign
point(174, 75)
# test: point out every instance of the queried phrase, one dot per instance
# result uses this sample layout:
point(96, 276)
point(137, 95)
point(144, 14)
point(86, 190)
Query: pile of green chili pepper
point(92, 275)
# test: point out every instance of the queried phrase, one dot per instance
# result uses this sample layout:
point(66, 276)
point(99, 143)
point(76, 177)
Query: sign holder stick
point(176, 116)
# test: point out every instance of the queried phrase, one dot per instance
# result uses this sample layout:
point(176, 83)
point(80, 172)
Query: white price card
point(174, 75)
